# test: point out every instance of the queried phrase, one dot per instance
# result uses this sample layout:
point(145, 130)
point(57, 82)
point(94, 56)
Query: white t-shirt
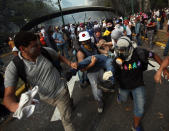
point(43, 32)
point(128, 30)
point(168, 22)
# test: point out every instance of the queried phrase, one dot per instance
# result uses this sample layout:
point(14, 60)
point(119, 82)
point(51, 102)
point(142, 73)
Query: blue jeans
point(102, 61)
point(138, 39)
point(166, 48)
point(66, 49)
point(94, 79)
point(138, 97)
point(61, 49)
point(82, 76)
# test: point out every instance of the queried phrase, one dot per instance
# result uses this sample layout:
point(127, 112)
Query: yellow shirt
point(106, 33)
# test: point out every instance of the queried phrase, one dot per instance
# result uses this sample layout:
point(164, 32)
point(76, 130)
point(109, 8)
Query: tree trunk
point(146, 5)
point(140, 5)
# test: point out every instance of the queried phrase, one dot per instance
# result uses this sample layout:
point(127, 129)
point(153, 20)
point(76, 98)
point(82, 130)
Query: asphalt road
point(114, 118)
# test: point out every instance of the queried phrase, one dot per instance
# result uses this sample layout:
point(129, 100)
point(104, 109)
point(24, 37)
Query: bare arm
point(103, 51)
point(10, 99)
point(157, 59)
point(57, 41)
point(162, 68)
point(108, 43)
point(69, 63)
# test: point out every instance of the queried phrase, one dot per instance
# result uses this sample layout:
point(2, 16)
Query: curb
point(5, 54)
point(160, 44)
point(156, 43)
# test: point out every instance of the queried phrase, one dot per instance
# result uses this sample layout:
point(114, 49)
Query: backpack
point(143, 58)
point(20, 66)
point(2, 87)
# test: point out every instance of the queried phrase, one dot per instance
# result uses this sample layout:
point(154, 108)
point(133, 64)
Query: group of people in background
point(104, 54)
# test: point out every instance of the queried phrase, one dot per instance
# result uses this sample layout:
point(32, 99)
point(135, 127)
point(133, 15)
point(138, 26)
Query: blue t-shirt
point(58, 36)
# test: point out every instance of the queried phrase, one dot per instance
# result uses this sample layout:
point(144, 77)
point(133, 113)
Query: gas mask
point(122, 52)
point(110, 28)
point(124, 48)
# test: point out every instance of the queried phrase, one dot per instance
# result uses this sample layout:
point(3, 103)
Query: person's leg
point(83, 79)
point(66, 49)
point(165, 53)
point(64, 105)
point(59, 47)
point(123, 95)
point(97, 93)
point(138, 39)
point(109, 67)
point(151, 39)
point(139, 101)
point(100, 61)
point(93, 79)
point(62, 49)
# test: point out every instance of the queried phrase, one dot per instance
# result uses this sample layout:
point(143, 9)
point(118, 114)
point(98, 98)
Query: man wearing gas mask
point(129, 65)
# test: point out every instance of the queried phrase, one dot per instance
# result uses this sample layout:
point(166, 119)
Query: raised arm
point(69, 63)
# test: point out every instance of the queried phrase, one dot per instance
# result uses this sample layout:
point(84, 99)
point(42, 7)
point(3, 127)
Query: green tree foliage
point(25, 10)
point(159, 4)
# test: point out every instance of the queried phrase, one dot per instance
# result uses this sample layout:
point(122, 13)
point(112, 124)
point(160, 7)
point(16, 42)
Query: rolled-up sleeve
point(11, 76)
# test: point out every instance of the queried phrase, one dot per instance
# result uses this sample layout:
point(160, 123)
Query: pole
point(60, 8)
point(85, 18)
point(74, 19)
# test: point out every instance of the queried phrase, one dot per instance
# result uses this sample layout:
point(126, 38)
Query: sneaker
point(100, 107)
point(136, 129)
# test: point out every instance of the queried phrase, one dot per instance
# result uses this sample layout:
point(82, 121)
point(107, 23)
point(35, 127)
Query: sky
point(79, 17)
point(70, 3)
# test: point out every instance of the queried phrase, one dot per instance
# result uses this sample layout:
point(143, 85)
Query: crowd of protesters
point(105, 54)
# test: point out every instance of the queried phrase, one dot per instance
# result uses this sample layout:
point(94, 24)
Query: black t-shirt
point(130, 75)
point(107, 38)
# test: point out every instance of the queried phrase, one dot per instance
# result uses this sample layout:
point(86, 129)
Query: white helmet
point(84, 36)
point(124, 48)
point(116, 34)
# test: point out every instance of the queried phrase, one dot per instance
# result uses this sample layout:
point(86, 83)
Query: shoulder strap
point(56, 64)
point(20, 66)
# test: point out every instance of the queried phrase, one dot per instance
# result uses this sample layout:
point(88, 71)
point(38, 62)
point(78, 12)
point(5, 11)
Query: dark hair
point(97, 30)
point(109, 21)
point(24, 38)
